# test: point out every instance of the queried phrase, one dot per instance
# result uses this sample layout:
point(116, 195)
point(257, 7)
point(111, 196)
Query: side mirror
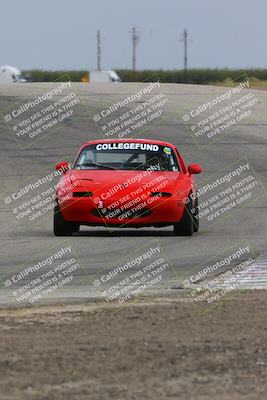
point(62, 167)
point(194, 169)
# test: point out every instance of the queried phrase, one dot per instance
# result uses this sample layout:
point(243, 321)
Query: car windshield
point(127, 156)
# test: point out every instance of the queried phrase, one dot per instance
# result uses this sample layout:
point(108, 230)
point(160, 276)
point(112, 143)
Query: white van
point(10, 75)
point(103, 76)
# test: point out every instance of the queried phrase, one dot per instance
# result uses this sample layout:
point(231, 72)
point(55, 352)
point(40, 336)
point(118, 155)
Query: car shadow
point(120, 233)
point(93, 233)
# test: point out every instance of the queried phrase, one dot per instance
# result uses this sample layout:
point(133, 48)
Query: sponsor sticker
point(127, 146)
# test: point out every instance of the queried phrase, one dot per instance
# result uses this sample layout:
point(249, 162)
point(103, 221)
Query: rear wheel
point(62, 227)
point(185, 227)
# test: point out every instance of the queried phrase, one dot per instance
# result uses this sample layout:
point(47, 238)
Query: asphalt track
point(97, 248)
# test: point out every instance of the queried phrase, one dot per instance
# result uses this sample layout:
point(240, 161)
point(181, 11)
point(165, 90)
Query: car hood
point(93, 180)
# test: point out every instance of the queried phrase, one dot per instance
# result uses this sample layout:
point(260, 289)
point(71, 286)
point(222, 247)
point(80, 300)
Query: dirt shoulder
point(157, 349)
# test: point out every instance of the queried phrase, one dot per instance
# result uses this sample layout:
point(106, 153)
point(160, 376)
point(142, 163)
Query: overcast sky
point(61, 34)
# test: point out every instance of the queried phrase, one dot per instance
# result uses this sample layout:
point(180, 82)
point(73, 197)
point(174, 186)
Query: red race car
point(127, 183)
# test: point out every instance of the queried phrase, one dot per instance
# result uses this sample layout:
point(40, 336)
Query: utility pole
point(135, 40)
point(98, 37)
point(185, 41)
point(185, 50)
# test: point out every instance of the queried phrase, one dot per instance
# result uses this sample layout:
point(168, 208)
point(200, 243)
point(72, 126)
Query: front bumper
point(157, 212)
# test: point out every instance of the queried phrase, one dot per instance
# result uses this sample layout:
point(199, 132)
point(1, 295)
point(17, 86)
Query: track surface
point(96, 247)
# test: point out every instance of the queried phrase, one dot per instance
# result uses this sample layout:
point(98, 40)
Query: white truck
point(103, 76)
point(10, 75)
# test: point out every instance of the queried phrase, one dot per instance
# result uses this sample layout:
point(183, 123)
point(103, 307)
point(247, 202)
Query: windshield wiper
point(92, 164)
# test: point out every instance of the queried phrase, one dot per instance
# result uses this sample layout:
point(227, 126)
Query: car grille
point(160, 194)
point(123, 214)
point(82, 194)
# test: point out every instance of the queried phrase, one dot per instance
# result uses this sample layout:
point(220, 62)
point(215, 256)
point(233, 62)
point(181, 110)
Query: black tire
point(62, 227)
point(76, 228)
point(185, 227)
point(195, 215)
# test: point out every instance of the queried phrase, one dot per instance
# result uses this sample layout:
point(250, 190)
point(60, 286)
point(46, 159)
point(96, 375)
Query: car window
point(127, 156)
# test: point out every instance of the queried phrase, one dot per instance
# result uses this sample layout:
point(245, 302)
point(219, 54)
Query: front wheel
point(185, 227)
point(62, 227)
